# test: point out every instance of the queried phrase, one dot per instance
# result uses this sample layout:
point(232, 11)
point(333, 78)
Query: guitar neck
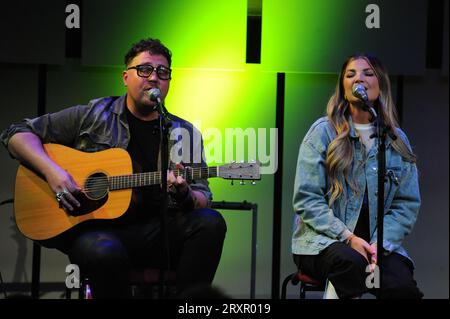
point(154, 178)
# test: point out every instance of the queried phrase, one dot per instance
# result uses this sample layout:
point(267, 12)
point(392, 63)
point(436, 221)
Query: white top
point(364, 132)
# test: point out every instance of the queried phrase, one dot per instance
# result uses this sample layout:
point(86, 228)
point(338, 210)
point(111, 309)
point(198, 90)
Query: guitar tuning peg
point(253, 183)
point(242, 182)
point(232, 182)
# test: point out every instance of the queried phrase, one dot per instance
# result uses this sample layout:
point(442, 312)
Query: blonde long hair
point(340, 154)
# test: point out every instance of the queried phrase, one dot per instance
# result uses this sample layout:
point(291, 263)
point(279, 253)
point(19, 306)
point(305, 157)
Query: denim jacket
point(103, 124)
point(317, 225)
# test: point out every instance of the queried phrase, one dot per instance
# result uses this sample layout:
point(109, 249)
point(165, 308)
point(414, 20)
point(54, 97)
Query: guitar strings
point(129, 179)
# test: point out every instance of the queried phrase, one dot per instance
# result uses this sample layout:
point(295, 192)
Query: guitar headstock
point(240, 171)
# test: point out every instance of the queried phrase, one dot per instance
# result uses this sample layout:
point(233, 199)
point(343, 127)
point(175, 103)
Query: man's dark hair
point(152, 46)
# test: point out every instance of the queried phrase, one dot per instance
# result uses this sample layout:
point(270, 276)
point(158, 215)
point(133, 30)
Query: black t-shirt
point(362, 228)
point(144, 149)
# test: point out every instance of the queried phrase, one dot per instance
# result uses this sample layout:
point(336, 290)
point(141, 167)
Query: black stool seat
point(307, 283)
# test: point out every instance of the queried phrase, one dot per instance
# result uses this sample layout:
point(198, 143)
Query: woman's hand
point(373, 257)
point(362, 247)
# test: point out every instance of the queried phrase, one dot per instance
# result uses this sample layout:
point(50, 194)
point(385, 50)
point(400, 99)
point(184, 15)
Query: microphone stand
point(381, 158)
point(164, 125)
point(381, 132)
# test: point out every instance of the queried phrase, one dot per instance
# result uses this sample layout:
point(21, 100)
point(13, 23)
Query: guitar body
point(36, 210)
point(106, 179)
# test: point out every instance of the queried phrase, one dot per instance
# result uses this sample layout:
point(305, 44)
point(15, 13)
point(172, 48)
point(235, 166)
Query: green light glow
point(309, 36)
point(200, 33)
point(230, 99)
point(224, 99)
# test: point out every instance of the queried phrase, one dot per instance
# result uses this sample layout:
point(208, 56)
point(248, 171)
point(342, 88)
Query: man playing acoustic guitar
point(106, 249)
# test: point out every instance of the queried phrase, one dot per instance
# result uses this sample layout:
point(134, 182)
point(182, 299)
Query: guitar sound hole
point(96, 186)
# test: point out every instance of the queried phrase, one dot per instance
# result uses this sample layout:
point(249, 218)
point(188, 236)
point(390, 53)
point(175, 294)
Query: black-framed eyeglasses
point(145, 70)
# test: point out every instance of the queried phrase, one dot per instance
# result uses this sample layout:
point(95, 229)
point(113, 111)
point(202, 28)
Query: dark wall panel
point(32, 31)
point(445, 52)
point(316, 36)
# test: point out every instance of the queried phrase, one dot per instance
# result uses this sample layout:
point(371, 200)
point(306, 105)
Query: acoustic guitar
point(106, 178)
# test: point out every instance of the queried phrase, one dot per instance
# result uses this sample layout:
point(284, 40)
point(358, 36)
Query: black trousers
point(346, 270)
point(106, 256)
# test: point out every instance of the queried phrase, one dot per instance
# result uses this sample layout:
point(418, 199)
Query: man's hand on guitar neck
point(180, 190)
point(177, 185)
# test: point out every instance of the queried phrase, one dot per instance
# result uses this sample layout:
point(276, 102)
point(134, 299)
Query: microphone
point(359, 91)
point(155, 95)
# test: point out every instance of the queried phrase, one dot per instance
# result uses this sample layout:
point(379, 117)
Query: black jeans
point(105, 256)
point(346, 270)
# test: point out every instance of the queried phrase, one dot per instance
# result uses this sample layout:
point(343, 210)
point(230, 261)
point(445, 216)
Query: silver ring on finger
point(60, 195)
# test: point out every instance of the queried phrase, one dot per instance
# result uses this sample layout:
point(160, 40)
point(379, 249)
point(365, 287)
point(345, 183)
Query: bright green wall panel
point(224, 101)
point(200, 33)
point(233, 99)
point(316, 36)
